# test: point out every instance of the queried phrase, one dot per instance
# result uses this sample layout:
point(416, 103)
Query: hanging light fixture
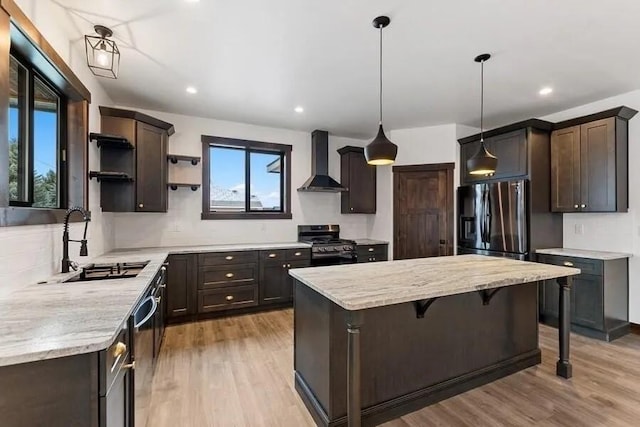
point(381, 151)
point(103, 56)
point(483, 162)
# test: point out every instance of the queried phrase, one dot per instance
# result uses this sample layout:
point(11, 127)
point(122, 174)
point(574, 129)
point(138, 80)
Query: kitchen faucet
point(66, 262)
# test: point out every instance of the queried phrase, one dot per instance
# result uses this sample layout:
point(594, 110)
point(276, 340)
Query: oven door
point(333, 260)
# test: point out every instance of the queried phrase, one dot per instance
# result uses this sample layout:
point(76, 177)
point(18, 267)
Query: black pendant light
point(483, 162)
point(381, 151)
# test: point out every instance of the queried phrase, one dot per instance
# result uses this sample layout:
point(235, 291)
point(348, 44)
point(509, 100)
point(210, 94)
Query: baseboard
point(228, 313)
point(395, 408)
point(614, 330)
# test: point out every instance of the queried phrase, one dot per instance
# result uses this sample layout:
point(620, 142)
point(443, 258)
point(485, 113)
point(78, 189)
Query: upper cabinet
point(360, 180)
point(134, 173)
point(520, 148)
point(589, 163)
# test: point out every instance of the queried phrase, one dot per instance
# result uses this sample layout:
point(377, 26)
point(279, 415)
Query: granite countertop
point(582, 253)
point(370, 242)
point(54, 319)
point(377, 284)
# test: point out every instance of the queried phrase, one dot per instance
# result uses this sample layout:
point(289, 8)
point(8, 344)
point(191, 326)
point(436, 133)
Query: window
point(35, 133)
point(245, 179)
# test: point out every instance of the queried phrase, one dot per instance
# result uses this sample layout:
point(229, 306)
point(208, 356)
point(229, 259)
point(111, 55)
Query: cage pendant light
point(483, 162)
point(103, 55)
point(381, 151)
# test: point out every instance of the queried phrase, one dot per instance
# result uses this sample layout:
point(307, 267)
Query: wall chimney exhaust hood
point(320, 179)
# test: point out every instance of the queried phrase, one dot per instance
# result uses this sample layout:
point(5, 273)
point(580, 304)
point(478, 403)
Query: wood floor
point(238, 371)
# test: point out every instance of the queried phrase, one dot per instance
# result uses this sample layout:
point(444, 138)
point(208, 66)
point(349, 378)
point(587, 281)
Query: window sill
point(245, 215)
point(15, 216)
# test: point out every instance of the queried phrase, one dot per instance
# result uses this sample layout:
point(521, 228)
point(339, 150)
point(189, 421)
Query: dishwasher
point(143, 350)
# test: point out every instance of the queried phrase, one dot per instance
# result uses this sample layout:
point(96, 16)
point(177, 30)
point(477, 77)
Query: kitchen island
point(375, 341)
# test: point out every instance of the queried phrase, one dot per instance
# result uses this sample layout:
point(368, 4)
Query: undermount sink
point(119, 270)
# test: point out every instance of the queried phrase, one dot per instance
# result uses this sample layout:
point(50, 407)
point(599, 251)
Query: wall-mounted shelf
point(110, 176)
point(175, 158)
point(111, 141)
point(174, 185)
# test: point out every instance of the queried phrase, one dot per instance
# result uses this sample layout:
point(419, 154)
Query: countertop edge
point(584, 253)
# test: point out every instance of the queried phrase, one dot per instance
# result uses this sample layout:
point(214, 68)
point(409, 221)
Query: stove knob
point(322, 249)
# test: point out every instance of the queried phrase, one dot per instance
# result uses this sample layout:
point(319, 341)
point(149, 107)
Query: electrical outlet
point(578, 229)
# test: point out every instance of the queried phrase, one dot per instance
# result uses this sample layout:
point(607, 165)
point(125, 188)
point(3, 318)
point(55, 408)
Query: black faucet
point(66, 262)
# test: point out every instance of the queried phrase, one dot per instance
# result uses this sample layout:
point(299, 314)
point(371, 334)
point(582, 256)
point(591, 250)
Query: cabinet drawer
point(296, 254)
point(217, 276)
point(274, 255)
point(378, 251)
point(586, 265)
point(226, 258)
point(227, 298)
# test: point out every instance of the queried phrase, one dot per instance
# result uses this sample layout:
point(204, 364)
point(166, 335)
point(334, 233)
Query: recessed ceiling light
point(299, 109)
point(192, 90)
point(192, 1)
point(545, 91)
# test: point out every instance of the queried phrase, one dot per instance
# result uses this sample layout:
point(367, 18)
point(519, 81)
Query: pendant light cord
point(381, 27)
point(482, 101)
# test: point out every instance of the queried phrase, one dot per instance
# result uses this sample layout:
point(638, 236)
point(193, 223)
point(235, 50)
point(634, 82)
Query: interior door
point(423, 211)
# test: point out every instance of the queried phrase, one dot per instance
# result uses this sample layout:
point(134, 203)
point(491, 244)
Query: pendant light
point(381, 151)
point(483, 162)
point(103, 55)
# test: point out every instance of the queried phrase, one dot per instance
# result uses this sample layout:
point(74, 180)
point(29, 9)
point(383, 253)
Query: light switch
point(579, 229)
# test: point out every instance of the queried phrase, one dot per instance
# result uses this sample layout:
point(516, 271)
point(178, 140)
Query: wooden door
point(181, 295)
point(598, 166)
point(423, 211)
point(565, 170)
point(151, 173)
point(587, 301)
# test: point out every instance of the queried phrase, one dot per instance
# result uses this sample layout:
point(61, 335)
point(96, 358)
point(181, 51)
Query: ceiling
point(253, 61)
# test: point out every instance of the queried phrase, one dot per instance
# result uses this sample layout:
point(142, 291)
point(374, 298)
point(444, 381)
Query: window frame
point(27, 40)
point(248, 147)
point(61, 144)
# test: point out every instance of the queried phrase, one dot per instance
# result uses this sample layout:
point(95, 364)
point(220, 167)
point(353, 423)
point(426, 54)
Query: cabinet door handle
point(583, 206)
point(229, 298)
point(141, 205)
point(371, 249)
point(288, 265)
point(568, 264)
point(131, 365)
point(228, 258)
point(576, 206)
point(272, 255)
point(298, 254)
point(229, 275)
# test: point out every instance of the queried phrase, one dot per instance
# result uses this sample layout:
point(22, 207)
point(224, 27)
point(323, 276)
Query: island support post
point(563, 367)
point(354, 406)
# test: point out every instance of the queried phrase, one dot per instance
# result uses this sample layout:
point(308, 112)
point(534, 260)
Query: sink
point(110, 271)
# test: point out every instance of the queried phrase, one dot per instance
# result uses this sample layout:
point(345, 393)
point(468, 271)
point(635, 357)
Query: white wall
point(32, 253)
point(612, 231)
point(434, 144)
point(182, 224)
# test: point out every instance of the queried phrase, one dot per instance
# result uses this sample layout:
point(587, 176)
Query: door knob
point(229, 298)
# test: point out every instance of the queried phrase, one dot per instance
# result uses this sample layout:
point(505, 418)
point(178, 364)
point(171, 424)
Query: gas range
point(327, 248)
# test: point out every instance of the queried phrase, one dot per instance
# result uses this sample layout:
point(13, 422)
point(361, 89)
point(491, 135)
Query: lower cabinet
point(599, 297)
point(276, 286)
point(181, 298)
point(227, 298)
point(372, 253)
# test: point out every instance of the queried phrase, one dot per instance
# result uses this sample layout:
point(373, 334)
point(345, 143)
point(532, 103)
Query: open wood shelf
point(111, 141)
point(175, 158)
point(110, 176)
point(174, 185)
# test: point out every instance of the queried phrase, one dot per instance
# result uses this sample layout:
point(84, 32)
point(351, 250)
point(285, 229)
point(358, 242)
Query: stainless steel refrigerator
point(494, 219)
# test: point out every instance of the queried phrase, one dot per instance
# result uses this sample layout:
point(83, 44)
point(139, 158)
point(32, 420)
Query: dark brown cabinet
point(133, 172)
point(276, 286)
point(599, 296)
point(372, 253)
point(181, 285)
point(360, 180)
point(510, 149)
point(589, 163)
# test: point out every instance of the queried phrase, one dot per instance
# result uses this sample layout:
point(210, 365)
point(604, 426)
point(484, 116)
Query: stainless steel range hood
point(320, 179)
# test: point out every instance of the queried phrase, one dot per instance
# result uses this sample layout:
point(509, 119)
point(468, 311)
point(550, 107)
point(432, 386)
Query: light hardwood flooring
point(238, 371)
